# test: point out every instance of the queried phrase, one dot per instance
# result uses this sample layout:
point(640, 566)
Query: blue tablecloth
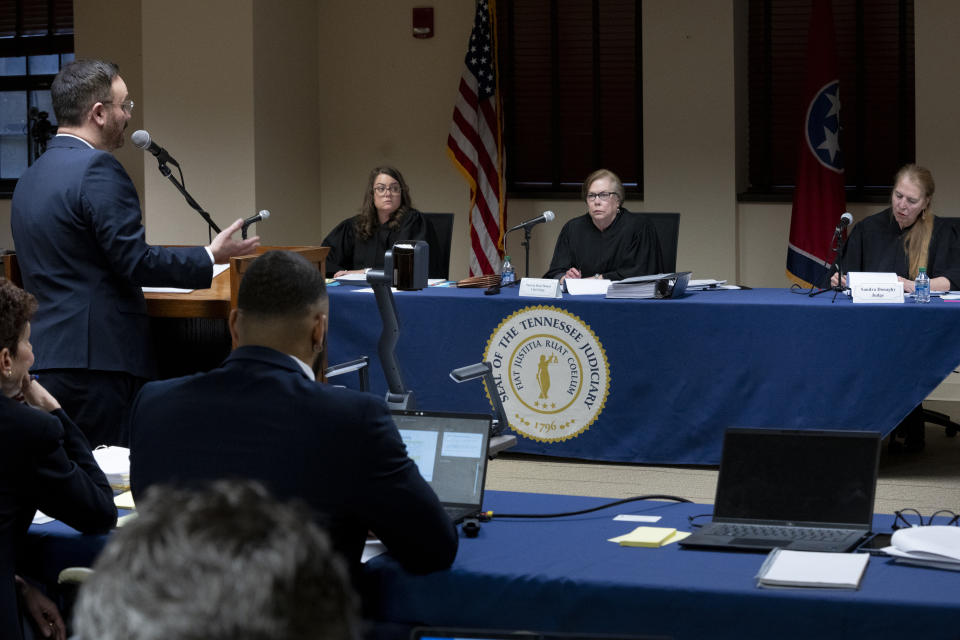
point(681, 371)
point(563, 575)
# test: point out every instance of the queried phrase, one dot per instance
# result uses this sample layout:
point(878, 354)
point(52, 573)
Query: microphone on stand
point(141, 140)
point(263, 215)
point(527, 226)
point(845, 221)
point(546, 217)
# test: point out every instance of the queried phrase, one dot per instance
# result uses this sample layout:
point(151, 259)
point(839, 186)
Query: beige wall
point(388, 98)
point(295, 101)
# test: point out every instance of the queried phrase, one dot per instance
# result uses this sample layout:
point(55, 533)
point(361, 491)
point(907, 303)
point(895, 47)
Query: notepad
point(785, 568)
point(124, 500)
point(650, 537)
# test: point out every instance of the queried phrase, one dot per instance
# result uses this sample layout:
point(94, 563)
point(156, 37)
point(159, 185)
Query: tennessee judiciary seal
point(550, 372)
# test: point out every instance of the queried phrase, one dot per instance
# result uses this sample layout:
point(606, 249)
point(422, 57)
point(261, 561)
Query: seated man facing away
point(262, 416)
point(225, 563)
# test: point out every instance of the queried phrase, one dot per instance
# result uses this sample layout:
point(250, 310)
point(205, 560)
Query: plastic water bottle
point(921, 287)
point(507, 275)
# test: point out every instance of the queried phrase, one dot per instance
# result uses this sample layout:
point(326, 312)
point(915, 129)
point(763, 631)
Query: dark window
point(875, 55)
point(36, 39)
point(571, 89)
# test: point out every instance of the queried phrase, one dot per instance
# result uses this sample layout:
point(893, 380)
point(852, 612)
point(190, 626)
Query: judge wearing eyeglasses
point(608, 241)
point(386, 217)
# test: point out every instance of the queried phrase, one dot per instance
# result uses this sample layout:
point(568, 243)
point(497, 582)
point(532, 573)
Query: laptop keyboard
point(774, 532)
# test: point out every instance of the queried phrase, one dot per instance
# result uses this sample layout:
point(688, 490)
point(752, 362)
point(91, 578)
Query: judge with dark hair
point(386, 217)
point(608, 241)
point(263, 416)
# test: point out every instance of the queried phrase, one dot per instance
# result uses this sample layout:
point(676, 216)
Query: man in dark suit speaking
point(80, 243)
point(263, 416)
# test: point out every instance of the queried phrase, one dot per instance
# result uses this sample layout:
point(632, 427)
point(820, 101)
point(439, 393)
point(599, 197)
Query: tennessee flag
point(818, 197)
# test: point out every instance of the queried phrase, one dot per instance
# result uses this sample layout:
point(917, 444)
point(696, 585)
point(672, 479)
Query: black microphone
point(141, 140)
point(845, 220)
point(546, 217)
point(263, 215)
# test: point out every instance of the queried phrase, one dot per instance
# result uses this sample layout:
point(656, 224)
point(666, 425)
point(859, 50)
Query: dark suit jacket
point(45, 463)
point(80, 243)
point(260, 417)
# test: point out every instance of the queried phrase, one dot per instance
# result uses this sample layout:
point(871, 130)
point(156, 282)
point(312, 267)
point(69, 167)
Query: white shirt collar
point(70, 135)
point(306, 368)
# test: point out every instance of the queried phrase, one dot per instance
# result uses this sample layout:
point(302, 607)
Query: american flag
point(475, 143)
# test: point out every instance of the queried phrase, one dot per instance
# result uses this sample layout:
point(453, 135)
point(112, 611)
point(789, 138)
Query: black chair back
point(439, 237)
point(668, 232)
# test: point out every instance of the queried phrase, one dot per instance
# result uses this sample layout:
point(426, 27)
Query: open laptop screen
point(798, 476)
point(450, 451)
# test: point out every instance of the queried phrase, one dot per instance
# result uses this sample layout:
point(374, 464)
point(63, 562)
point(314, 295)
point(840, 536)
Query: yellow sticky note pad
point(646, 537)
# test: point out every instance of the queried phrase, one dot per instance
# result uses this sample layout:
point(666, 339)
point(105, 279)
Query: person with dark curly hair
point(386, 217)
point(45, 463)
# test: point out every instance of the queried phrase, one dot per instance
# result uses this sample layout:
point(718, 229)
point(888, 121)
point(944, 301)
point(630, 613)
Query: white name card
point(877, 293)
point(875, 288)
point(540, 288)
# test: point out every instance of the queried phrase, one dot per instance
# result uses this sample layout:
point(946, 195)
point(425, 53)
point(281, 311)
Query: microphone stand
point(167, 173)
point(835, 247)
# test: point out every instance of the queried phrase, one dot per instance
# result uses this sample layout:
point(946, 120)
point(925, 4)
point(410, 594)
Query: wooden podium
point(221, 297)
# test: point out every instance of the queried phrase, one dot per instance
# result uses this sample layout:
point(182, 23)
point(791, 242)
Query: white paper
point(784, 568)
point(41, 518)
point(217, 270)
point(629, 517)
point(586, 286)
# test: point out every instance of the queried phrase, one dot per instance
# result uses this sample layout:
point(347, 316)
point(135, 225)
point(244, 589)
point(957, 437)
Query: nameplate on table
point(540, 288)
point(875, 288)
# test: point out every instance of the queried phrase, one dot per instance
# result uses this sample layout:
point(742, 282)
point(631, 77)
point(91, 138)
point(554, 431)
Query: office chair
point(439, 237)
point(668, 232)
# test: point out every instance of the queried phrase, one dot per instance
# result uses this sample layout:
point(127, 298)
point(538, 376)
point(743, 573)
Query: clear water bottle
point(507, 275)
point(921, 287)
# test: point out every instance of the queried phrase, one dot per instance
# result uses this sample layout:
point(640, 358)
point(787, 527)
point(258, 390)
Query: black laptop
point(806, 490)
point(450, 450)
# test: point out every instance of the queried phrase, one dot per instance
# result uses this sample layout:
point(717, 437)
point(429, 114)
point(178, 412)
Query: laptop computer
point(806, 490)
point(450, 450)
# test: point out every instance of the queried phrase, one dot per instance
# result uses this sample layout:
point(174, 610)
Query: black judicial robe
point(348, 251)
point(628, 247)
point(876, 244)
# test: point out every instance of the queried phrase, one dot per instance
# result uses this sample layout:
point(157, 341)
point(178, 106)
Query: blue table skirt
point(681, 371)
point(563, 575)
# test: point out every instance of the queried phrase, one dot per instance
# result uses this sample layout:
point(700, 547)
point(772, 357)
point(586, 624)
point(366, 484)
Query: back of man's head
point(280, 284)
point(79, 86)
point(225, 563)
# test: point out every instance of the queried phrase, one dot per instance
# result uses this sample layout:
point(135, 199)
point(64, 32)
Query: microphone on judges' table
point(546, 217)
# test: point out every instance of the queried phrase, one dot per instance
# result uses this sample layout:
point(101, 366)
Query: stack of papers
point(702, 285)
point(933, 546)
point(661, 285)
point(784, 568)
point(115, 464)
point(650, 537)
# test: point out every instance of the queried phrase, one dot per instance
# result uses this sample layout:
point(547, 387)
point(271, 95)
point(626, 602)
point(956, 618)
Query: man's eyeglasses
point(603, 196)
point(381, 189)
point(906, 518)
point(126, 105)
